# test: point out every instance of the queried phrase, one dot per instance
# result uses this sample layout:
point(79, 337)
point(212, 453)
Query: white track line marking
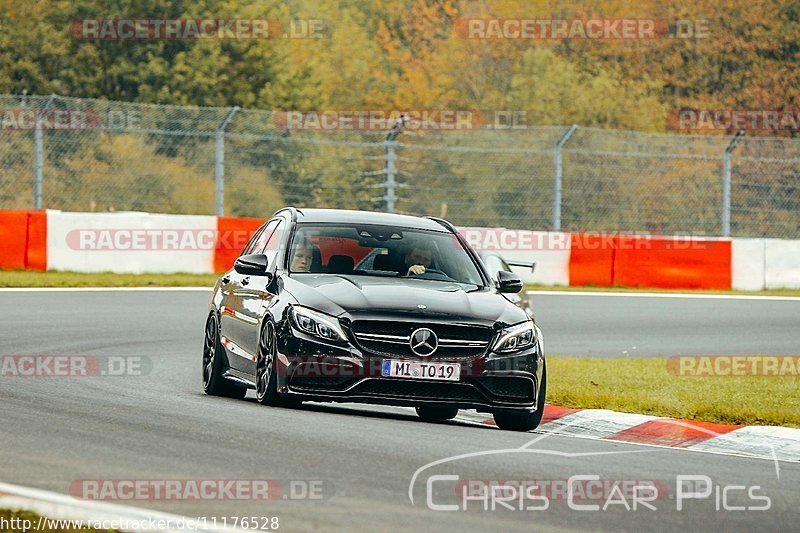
point(61, 507)
point(763, 441)
point(598, 423)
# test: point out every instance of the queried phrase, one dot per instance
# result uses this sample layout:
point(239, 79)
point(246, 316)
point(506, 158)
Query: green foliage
point(389, 55)
point(398, 54)
point(558, 92)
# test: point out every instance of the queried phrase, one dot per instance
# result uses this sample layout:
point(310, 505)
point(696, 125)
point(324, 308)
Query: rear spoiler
point(523, 264)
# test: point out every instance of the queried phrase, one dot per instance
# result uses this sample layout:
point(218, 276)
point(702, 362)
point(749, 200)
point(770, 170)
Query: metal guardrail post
point(219, 161)
point(559, 172)
point(726, 184)
point(37, 153)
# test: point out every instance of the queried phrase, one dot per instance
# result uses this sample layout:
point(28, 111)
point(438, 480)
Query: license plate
point(393, 368)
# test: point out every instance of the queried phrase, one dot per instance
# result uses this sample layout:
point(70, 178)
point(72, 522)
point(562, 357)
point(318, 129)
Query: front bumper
point(315, 371)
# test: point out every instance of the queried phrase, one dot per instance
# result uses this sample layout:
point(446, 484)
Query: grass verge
point(21, 278)
point(15, 521)
point(644, 385)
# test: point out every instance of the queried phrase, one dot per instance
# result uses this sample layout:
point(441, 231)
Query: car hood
point(368, 296)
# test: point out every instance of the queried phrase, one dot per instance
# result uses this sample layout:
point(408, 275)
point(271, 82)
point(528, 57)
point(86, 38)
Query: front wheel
point(524, 420)
point(266, 375)
point(266, 378)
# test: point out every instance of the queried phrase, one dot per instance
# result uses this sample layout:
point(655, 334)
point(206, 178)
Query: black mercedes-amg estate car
point(353, 306)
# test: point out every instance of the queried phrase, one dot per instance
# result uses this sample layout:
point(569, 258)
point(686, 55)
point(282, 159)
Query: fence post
point(390, 183)
point(726, 184)
point(219, 161)
point(559, 172)
point(37, 153)
point(390, 168)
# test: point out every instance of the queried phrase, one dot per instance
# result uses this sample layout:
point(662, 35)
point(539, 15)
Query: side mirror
point(508, 282)
point(252, 265)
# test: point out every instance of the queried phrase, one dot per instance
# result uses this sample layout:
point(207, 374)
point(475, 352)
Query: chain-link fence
point(95, 155)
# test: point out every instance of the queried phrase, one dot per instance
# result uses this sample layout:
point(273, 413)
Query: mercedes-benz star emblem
point(424, 342)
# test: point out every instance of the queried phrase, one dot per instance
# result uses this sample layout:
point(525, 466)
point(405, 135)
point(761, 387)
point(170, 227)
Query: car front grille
point(419, 390)
point(392, 338)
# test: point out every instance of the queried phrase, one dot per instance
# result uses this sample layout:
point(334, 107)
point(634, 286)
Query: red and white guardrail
point(162, 243)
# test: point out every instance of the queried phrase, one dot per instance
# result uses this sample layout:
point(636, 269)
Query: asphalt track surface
point(636, 325)
point(161, 426)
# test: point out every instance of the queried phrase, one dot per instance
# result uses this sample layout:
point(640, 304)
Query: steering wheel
point(437, 274)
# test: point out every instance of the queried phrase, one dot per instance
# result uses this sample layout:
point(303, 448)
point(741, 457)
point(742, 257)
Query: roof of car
point(367, 217)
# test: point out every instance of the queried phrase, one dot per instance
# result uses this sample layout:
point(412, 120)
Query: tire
point(436, 414)
point(266, 378)
point(214, 383)
point(524, 420)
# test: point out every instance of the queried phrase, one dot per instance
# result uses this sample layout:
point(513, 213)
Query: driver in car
point(303, 256)
point(418, 259)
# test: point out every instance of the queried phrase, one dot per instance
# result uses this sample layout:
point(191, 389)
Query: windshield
point(381, 251)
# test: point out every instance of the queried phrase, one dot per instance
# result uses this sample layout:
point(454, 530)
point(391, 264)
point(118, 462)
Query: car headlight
point(317, 324)
point(516, 338)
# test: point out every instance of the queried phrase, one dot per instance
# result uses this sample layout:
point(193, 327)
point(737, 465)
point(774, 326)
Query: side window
point(259, 238)
point(493, 264)
point(253, 238)
point(273, 243)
